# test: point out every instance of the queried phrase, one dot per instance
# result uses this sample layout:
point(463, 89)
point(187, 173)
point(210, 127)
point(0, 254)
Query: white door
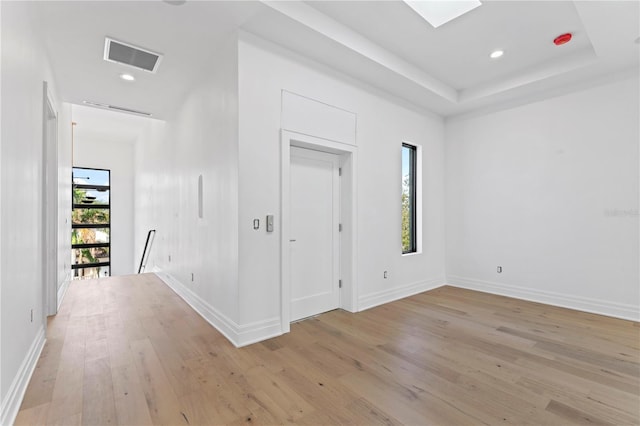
point(314, 244)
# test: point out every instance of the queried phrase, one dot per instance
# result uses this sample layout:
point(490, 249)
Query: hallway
point(129, 351)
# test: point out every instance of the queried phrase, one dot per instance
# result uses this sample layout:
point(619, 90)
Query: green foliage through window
point(409, 237)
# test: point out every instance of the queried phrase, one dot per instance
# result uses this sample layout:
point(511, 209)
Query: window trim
point(414, 225)
point(78, 266)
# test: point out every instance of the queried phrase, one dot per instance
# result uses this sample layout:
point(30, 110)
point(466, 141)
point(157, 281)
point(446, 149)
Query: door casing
point(50, 203)
point(348, 209)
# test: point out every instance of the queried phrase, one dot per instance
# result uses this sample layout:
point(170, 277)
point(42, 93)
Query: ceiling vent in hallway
point(117, 108)
point(133, 56)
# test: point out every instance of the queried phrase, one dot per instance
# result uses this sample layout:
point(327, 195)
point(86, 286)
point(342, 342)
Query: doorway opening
point(318, 224)
point(91, 223)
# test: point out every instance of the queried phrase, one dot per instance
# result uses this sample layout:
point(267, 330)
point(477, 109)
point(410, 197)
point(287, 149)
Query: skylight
point(439, 12)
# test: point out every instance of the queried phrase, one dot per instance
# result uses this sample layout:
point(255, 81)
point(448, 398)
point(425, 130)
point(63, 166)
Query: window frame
point(413, 199)
point(77, 267)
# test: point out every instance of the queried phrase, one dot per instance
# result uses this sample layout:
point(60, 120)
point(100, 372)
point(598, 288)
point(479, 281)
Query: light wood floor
point(129, 351)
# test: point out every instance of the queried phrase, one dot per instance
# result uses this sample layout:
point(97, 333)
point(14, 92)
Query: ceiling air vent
point(117, 108)
point(132, 111)
point(128, 54)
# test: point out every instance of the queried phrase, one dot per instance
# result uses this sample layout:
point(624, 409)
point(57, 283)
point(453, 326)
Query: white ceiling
point(457, 53)
point(74, 34)
point(384, 44)
point(103, 126)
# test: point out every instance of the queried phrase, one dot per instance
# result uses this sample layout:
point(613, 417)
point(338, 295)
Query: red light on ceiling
point(562, 39)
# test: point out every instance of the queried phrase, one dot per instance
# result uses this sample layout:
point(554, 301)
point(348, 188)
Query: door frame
point(348, 209)
point(49, 204)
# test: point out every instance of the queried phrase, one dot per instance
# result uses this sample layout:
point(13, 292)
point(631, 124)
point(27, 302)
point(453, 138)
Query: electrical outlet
point(385, 275)
point(32, 315)
point(499, 269)
point(169, 258)
point(192, 277)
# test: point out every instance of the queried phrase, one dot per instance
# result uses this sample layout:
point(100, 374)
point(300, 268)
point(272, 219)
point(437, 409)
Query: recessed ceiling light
point(496, 54)
point(440, 12)
point(127, 77)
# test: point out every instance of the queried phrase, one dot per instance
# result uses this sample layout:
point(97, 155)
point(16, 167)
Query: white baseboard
point(258, 331)
point(386, 296)
point(62, 290)
point(13, 399)
point(602, 307)
point(238, 334)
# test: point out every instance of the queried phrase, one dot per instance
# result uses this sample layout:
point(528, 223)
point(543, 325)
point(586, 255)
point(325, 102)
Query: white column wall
point(200, 255)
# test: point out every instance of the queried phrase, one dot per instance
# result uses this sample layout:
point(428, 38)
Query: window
point(409, 205)
point(90, 223)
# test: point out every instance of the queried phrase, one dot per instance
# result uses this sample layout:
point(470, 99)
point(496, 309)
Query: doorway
point(314, 231)
point(298, 153)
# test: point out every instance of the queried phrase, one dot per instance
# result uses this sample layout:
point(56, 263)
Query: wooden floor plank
point(129, 351)
point(162, 401)
point(130, 401)
point(36, 415)
point(98, 404)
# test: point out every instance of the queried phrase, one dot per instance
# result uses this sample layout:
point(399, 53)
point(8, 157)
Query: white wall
point(382, 126)
point(200, 140)
point(117, 156)
point(228, 130)
point(24, 68)
point(549, 191)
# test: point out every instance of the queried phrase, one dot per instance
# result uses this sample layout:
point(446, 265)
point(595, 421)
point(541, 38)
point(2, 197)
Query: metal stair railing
point(151, 235)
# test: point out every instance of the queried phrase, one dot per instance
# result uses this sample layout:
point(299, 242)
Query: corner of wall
point(62, 289)
point(380, 298)
point(238, 334)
